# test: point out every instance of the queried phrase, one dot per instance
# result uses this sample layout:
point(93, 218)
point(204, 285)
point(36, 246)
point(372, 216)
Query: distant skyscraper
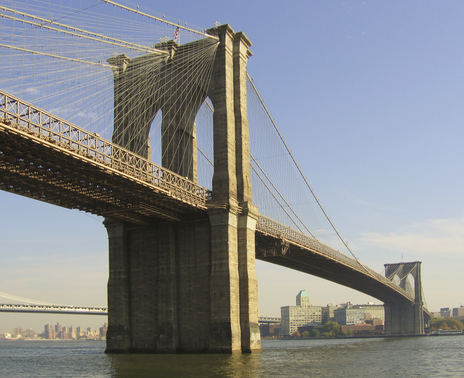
point(49, 331)
point(103, 330)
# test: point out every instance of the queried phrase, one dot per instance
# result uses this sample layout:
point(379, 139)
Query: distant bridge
point(43, 309)
point(80, 310)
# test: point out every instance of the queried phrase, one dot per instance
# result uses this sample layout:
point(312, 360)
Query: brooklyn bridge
point(160, 139)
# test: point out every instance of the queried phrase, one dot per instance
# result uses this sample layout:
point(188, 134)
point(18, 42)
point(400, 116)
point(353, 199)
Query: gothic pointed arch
point(175, 82)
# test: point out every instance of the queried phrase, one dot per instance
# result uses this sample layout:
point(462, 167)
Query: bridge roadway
point(46, 158)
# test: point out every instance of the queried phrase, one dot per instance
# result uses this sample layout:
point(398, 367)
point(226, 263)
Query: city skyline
point(75, 331)
point(368, 96)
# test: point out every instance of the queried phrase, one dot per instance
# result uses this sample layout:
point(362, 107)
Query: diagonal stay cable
point(281, 196)
point(276, 199)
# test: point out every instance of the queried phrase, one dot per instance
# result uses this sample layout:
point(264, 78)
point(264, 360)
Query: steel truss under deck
point(46, 158)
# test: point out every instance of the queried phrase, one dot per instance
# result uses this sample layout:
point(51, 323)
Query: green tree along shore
point(445, 323)
point(330, 329)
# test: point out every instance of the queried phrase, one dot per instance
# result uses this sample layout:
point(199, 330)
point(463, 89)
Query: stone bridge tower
point(405, 318)
point(187, 286)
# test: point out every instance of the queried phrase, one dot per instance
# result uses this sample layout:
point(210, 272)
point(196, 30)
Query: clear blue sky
point(369, 96)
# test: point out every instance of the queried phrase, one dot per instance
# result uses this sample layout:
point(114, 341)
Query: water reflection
point(236, 365)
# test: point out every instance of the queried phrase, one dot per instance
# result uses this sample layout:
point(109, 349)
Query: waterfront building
point(300, 315)
point(372, 311)
point(64, 335)
point(445, 312)
point(269, 330)
point(349, 315)
point(361, 328)
point(459, 311)
point(328, 313)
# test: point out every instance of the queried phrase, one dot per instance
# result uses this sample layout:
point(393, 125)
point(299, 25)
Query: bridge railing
point(275, 229)
point(27, 118)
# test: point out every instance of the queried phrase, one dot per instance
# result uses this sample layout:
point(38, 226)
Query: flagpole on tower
point(176, 35)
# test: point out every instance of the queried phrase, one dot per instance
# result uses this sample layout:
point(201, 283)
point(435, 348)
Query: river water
point(441, 356)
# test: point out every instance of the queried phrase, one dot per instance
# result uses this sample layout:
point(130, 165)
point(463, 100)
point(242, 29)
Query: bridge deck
point(278, 244)
point(46, 158)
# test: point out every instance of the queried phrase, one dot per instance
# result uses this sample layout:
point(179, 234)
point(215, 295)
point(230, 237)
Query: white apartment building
point(300, 315)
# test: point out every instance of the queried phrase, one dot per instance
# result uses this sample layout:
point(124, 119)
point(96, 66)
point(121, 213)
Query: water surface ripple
point(385, 357)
